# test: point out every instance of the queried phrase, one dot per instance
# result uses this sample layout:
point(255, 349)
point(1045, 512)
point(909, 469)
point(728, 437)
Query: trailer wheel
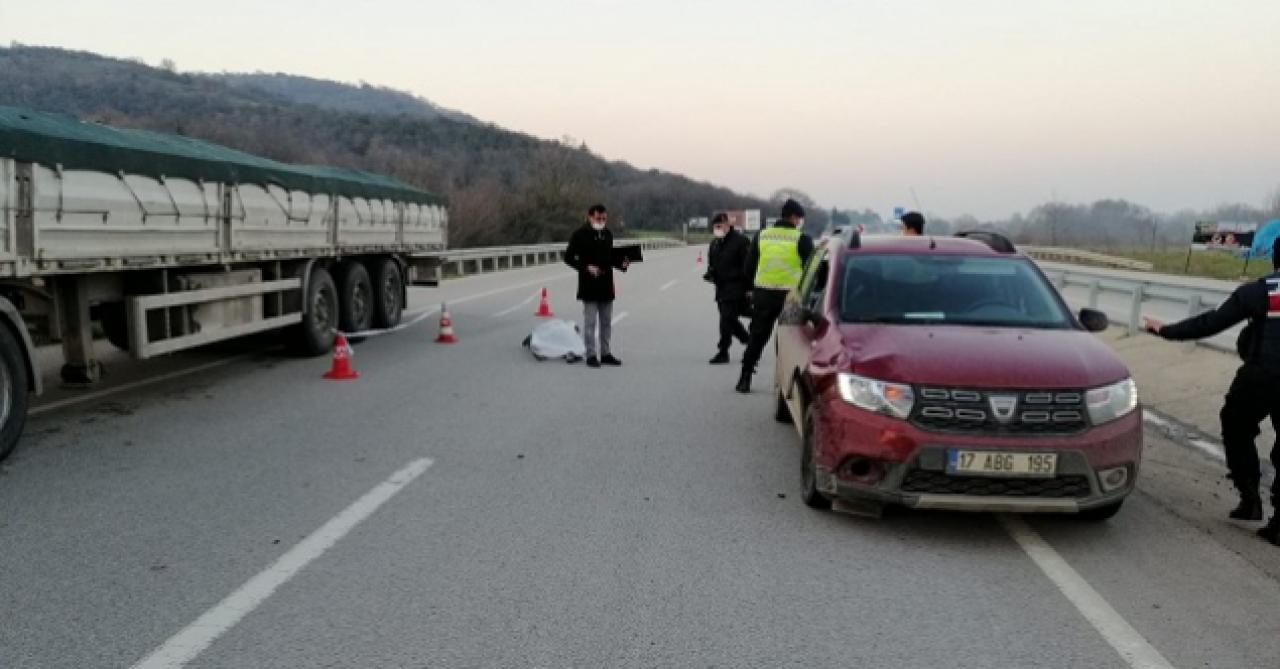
point(388, 289)
point(355, 297)
point(13, 392)
point(319, 315)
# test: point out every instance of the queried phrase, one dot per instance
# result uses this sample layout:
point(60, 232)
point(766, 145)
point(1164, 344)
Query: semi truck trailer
point(163, 243)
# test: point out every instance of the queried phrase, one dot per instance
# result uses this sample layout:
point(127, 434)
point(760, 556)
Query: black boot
point(1250, 505)
point(1271, 532)
point(721, 358)
point(744, 381)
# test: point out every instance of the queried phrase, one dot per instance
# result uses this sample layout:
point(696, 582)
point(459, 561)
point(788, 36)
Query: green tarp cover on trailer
point(60, 139)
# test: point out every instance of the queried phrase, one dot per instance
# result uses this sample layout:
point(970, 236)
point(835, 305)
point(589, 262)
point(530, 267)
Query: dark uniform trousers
point(730, 326)
point(1254, 395)
point(767, 305)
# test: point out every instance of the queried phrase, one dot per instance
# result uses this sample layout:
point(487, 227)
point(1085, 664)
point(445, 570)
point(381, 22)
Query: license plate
point(1001, 463)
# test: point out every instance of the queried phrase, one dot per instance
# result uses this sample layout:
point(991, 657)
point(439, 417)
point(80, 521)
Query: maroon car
point(947, 373)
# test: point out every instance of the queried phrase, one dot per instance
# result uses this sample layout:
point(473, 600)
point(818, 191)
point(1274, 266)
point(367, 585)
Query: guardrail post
point(1195, 304)
point(1094, 287)
point(1135, 310)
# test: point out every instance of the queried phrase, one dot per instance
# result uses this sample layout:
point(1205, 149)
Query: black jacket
point(590, 247)
point(726, 266)
point(804, 246)
point(1251, 301)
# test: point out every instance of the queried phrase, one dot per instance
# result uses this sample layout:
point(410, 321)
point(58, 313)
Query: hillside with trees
point(504, 187)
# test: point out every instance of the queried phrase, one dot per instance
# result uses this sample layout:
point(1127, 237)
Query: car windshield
point(947, 289)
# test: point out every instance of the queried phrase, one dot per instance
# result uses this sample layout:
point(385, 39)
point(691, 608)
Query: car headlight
point(891, 399)
point(1111, 402)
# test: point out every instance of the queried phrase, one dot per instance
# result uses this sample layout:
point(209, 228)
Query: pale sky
point(982, 106)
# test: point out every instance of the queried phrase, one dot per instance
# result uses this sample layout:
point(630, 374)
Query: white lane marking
point(1132, 647)
point(1208, 448)
point(619, 317)
point(98, 394)
point(1154, 419)
point(196, 637)
point(668, 284)
point(526, 302)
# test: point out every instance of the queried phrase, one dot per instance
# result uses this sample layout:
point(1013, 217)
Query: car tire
point(1101, 513)
point(388, 292)
point(355, 298)
point(809, 493)
point(314, 335)
point(781, 412)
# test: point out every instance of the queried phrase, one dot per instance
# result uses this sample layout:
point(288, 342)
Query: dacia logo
point(1003, 407)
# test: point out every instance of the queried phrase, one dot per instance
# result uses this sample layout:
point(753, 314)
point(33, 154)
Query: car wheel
point(1102, 512)
point(809, 469)
point(781, 412)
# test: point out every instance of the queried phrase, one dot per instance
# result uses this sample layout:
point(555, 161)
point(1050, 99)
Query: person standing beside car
point(590, 252)
point(775, 264)
point(1254, 393)
point(726, 268)
point(912, 224)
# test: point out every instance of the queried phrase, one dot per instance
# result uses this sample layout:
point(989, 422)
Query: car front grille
point(920, 481)
point(994, 412)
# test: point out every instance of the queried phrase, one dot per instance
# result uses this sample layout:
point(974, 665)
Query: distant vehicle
point(169, 243)
point(944, 373)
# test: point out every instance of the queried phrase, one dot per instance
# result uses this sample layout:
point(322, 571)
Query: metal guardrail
point(1082, 257)
point(1181, 297)
point(432, 267)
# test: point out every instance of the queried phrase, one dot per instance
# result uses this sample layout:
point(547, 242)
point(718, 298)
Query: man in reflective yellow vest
point(776, 261)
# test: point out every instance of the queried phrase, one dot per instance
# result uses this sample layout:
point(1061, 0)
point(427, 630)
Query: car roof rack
point(852, 238)
point(998, 242)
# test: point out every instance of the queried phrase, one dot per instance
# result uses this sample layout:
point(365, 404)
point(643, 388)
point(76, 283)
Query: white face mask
point(597, 225)
point(720, 232)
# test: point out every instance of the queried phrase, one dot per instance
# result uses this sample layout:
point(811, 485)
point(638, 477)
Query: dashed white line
point(196, 637)
point(527, 301)
point(1132, 647)
point(668, 284)
point(619, 317)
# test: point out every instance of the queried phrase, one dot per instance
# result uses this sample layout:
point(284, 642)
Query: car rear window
point(958, 290)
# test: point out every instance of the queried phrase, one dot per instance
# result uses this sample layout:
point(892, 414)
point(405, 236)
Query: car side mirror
point(1094, 320)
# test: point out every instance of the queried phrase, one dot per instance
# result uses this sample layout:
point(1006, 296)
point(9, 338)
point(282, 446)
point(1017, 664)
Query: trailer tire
point(314, 334)
point(14, 385)
point(388, 293)
point(355, 297)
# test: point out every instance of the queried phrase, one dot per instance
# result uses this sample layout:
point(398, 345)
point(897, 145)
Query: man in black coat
point(590, 252)
point(1255, 392)
point(726, 268)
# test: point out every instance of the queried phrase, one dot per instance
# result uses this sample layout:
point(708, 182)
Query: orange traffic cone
point(544, 306)
point(341, 370)
point(446, 327)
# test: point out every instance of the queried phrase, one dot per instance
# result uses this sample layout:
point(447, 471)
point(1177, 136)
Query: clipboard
point(630, 252)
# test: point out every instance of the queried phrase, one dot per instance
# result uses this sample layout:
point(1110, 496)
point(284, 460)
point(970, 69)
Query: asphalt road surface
point(466, 506)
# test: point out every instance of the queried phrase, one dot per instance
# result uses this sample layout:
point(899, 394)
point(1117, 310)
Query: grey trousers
point(597, 314)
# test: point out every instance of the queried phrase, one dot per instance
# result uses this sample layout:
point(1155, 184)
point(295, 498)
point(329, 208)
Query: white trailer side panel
point(86, 214)
point(274, 219)
point(8, 201)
